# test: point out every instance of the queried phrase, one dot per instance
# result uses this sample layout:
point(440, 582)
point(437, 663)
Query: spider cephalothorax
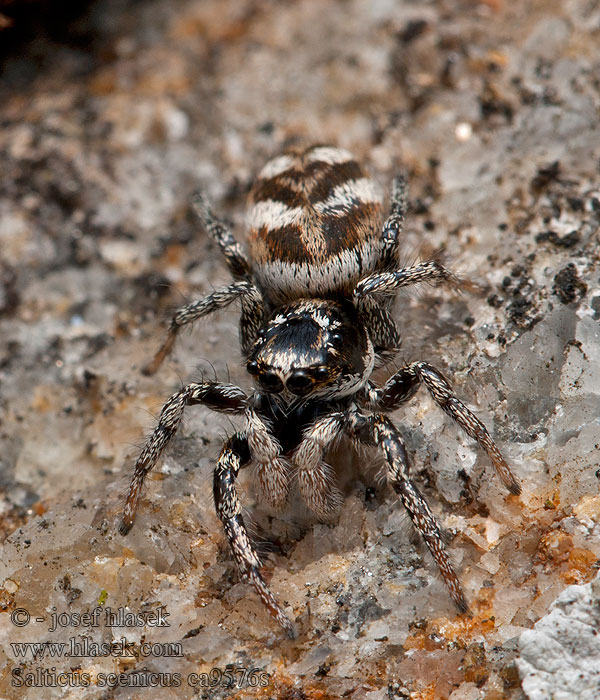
point(312, 347)
point(315, 320)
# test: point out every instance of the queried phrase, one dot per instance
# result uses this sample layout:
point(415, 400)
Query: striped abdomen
point(315, 224)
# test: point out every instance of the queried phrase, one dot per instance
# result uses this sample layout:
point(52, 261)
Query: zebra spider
point(315, 300)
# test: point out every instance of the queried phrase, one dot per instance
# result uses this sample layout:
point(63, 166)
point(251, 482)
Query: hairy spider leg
point(272, 469)
point(235, 257)
point(251, 319)
point(429, 271)
point(392, 228)
point(380, 431)
point(404, 383)
point(375, 313)
point(382, 329)
point(235, 454)
point(227, 398)
point(315, 477)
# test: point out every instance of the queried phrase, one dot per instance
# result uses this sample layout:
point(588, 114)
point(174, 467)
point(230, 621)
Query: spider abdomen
point(315, 224)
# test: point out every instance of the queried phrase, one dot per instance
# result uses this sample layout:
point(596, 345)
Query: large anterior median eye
point(270, 381)
point(252, 367)
point(299, 382)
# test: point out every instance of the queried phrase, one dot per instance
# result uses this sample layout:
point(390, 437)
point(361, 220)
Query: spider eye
point(299, 383)
point(271, 382)
point(337, 340)
point(252, 367)
point(321, 373)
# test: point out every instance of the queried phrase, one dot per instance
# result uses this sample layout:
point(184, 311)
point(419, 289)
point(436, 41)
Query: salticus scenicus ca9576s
point(315, 296)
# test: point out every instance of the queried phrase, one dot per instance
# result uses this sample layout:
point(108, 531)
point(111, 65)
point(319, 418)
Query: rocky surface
point(559, 657)
point(108, 125)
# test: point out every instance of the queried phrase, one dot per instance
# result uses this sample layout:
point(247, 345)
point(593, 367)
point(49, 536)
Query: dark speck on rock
point(567, 285)
point(370, 610)
point(566, 241)
point(545, 175)
point(412, 30)
point(517, 312)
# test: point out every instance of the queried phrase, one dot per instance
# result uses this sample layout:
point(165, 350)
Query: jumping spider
point(315, 320)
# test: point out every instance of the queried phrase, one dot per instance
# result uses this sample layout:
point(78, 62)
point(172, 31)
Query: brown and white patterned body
point(315, 225)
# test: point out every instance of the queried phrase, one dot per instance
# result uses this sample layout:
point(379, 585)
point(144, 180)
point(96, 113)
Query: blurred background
point(111, 114)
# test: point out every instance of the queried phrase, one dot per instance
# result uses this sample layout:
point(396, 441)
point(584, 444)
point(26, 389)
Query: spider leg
point(403, 385)
point(252, 314)
point(375, 314)
point(219, 397)
point(235, 454)
point(235, 257)
point(380, 431)
point(381, 327)
point(392, 228)
point(389, 282)
point(314, 476)
point(272, 469)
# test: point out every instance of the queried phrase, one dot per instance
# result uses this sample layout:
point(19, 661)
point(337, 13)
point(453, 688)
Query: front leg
point(403, 385)
point(380, 431)
point(234, 455)
point(315, 478)
point(252, 315)
point(219, 397)
point(271, 468)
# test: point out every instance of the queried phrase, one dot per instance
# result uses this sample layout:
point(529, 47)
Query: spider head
point(312, 348)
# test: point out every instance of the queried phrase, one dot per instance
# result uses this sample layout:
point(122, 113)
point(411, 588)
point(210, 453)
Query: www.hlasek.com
point(238, 677)
point(85, 647)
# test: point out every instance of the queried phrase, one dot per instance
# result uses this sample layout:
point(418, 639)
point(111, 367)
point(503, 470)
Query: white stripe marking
point(273, 215)
point(344, 196)
point(329, 155)
point(277, 166)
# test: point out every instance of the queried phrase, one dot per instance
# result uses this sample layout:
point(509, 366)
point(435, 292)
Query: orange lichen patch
point(495, 5)
point(552, 501)
point(173, 254)
point(7, 599)
point(464, 627)
point(426, 693)
point(494, 58)
point(582, 566)
point(39, 507)
point(440, 632)
point(42, 399)
point(555, 547)
point(422, 640)
point(497, 57)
